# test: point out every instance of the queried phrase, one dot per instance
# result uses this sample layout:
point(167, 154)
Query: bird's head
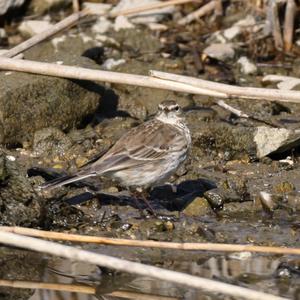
point(169, 111)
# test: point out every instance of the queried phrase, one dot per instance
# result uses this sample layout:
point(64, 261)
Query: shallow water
point(273, 274)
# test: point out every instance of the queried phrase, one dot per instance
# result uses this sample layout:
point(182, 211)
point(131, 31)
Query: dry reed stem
point(231, 90)
point(157, 79)
point(76, 288)
point(276, 25)
point(288, 27)
point(147, 244)
point(219, 8)
point(76, 6)
point(148, 7)
point(58, 27)
point(202, 11)
point(52, 69)
point(208, 285)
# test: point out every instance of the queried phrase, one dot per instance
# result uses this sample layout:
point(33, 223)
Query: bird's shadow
point(171, 197)
point(166, 197)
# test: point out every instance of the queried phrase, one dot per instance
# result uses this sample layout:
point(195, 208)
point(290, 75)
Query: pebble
point(97, 8)
point(110, 63)
point(102, 25)
point(220, 51)
point(33, 27)
point(147, 17)
point(122, 22)
point(247, 67)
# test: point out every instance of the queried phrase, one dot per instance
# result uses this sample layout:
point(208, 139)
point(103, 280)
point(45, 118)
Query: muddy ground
point(215, 195)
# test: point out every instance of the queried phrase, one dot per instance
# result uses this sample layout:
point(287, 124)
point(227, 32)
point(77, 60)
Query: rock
point(32, 102)
point(6, 5)
point(293, 201)
point(41, 6)
point(232, 32)
point(247, 67)
point(139, 102)
point(33, 27)
point(198, 207)
point(152, 16)
point(121, 22)
point(215, 198)
point(275, 140)
point(220, 51)
point(227, 141)
point(268, 201)
point(102, 25)
point(97, 8)
point(110, 63)
point(20, 204)
point(51, 141)
point(249, 20)
point(247, 24)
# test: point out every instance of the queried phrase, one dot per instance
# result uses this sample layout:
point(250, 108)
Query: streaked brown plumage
point(143, 157)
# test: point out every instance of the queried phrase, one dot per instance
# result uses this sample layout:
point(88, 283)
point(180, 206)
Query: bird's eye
point(177, 108)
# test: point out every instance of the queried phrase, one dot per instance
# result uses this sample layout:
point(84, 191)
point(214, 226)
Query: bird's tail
point(63, 181)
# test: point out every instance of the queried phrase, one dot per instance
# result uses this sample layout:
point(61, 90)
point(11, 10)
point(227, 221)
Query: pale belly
point(148, 175)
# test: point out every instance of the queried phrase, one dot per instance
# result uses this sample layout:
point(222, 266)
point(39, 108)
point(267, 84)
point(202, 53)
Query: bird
point(145, 156)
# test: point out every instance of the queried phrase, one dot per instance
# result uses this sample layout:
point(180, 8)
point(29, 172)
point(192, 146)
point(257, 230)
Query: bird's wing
point(150, 141)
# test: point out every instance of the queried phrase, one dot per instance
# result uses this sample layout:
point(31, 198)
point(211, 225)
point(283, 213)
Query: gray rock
point(270, 140)
point(20, 204)
point(32, 102)
point(6, 5)
point(33, 27)
point(152, 16)
point(42, 6)
point(51, 140)
point(220, 51)
point(247, 67)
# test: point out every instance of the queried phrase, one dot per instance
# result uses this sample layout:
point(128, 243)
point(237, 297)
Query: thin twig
point(241, 114)
point(147, 244)
point(202, 11)
point(288, 28)
point(147, 7)
point(58, 27)
point(231, 90)
point(233, 110)
point(72, 253)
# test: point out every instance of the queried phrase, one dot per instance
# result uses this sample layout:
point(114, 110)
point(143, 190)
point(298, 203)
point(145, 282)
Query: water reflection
point(60, 279)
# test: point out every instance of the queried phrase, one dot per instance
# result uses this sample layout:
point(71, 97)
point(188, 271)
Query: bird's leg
point(141, 195)
point(138, 204)
point(144, 198)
